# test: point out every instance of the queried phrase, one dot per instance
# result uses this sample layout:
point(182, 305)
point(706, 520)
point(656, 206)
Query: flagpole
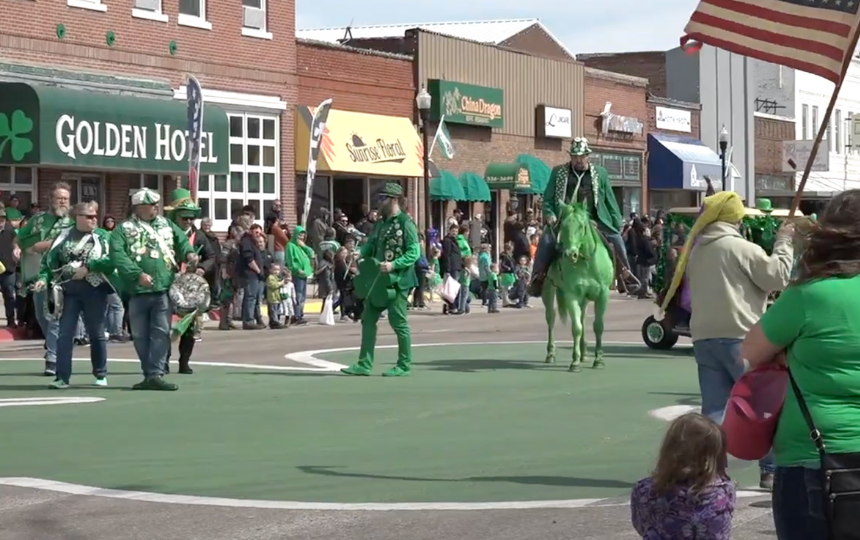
point(822, 129)
point(436, 135)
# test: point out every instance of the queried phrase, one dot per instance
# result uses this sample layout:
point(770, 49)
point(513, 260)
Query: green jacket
point(298, 258)
point(56, 257)
point(134, 252)
point(43, 226)
point(113, 276)
point(608, 213)
point(395, 240)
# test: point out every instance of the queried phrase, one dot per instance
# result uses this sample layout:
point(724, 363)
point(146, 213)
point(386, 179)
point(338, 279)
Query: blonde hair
point(693, 454)
point(83, 208)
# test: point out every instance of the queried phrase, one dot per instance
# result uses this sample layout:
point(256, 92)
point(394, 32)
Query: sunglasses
point(89, 216)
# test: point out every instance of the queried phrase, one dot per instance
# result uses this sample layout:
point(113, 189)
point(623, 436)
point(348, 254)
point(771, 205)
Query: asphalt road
point(36, 514)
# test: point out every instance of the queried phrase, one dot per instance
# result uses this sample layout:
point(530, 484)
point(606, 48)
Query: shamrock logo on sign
point(11, 132)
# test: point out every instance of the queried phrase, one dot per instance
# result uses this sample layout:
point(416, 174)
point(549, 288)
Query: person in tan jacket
point(729, 279)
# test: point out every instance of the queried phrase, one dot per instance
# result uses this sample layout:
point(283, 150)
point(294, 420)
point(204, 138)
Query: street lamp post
point(724, 145)
point(424, 100)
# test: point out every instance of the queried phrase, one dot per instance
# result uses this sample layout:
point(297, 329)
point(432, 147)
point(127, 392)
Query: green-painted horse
point(582, 272)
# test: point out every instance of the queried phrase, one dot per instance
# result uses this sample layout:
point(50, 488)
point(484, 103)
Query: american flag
point(808, 35)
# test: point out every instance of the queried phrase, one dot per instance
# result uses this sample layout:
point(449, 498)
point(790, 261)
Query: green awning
point(475, 188)
point(446, 187)
point(508, 176)
point(538, 172)
point(67, 128)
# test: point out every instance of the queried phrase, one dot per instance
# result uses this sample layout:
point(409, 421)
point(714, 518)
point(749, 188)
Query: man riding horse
point(578, 181)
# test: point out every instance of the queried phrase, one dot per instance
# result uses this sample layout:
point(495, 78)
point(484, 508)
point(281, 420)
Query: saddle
point(372, 285)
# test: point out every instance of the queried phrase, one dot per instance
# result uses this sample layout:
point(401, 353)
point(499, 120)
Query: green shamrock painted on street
point(11, 134)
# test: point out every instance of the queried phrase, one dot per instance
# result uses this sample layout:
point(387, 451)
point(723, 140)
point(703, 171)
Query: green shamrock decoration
point(10, 132)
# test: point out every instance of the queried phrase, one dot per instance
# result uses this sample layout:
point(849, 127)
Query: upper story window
point(193, 13)
point(148, 9)
point(804, 123)
point(254, 19)
point(95, 5)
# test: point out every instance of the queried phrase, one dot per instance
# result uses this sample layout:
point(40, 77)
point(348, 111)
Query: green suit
point(603, 204)
point(394, 240)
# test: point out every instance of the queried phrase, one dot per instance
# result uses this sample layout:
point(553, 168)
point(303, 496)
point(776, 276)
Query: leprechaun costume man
point(577, 181)
point(386, 275)
point(183, 211)
point(35, 240)
point(145, 250)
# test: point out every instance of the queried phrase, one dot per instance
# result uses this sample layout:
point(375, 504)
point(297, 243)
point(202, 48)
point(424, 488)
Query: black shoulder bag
point(841, 480)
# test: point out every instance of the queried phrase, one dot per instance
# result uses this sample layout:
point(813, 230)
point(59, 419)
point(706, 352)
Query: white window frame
point(93, 5)
point(200, 22)
point(12, 188)
point(157, 15)
point(256, 33)
point(221, 225)
point(140, 185)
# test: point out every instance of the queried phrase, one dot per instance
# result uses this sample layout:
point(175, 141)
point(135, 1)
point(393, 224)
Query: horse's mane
point(574, 216)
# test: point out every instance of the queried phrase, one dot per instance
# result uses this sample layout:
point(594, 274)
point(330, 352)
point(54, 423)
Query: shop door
point(86, 188)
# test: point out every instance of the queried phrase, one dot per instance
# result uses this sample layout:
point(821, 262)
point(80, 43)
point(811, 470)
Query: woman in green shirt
point(814, 327)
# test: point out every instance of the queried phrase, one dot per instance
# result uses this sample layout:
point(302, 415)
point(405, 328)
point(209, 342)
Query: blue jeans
point(114, 315)
point(301, 285)
point(88, 303)
point(719, 363)
point(149, 316)
point(253, 290)
point(798, 504)
point(50, 328)
point(546, 249)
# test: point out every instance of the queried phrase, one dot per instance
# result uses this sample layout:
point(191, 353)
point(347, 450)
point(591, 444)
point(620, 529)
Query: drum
point(188, 293)
point(54, 303)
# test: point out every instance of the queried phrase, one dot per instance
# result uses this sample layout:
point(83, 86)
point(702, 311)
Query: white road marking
point(317, 363)
point(311, 358)
point(673, 411)
point(25, 402)
point(76, 489)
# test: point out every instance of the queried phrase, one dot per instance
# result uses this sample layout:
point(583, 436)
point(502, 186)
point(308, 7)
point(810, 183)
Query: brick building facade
point(378, 89)
point(243, 57)
point(771, 182)
point(617, 135)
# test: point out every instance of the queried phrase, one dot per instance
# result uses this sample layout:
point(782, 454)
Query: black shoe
point(185, 368)
point(252, 326)
point(155, 383)
point(536, 287)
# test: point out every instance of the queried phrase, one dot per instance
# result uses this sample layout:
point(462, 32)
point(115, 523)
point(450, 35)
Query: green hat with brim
point(13, 214)
point(764, 205)
point(579, 147)
point(182, 205)
point(391, 189)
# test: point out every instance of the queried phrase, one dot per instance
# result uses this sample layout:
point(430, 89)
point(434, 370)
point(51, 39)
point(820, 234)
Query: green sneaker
point(156, 383)
point(58, 385)
point(356, 369)
point(397, 371)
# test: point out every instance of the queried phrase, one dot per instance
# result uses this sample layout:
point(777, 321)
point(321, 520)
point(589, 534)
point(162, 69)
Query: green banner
point(66, 128)
point(466, 103)
point(512, 176)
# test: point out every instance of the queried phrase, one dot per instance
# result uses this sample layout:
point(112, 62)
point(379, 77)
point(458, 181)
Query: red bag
point(752, 412)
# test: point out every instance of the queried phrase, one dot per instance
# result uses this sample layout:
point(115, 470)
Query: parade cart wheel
point(656, 334)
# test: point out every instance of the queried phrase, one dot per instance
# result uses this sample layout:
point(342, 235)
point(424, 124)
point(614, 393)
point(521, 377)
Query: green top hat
point(391, 189)
point(579, 147)
point(764, 205)
point(182, 204)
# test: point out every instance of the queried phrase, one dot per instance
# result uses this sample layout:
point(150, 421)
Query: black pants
point(7, 287)
point(420, 290)
point(186, 347)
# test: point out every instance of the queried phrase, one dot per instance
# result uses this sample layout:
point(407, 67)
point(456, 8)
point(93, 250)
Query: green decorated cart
point(759, 226)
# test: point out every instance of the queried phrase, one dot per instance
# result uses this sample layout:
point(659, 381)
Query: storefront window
point(321, 197)
point(86, 187)
point(254, 177)
point(18, 181)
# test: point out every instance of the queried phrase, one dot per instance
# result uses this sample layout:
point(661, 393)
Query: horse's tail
point(561, 302)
